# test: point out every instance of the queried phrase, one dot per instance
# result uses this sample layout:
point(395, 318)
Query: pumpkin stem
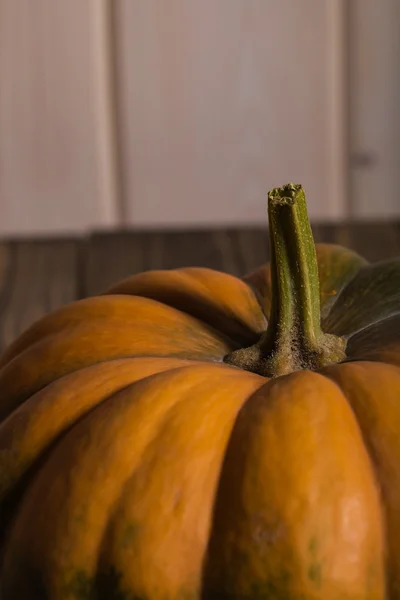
point(294, 339)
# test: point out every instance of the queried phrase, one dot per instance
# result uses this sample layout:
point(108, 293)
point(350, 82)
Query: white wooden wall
point(57, 151)
point(222, 100)
point(151, 113)
point(375, 108)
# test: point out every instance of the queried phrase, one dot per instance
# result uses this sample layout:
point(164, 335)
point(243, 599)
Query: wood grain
point(213, 115)
point(110, 257)
point(374, 241)
point(374, 97)
point(57, 146)
point(38, 276)
point(35, 278)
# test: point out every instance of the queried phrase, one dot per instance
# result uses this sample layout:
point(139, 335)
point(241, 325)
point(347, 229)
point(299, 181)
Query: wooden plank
point(214, 116)
point(249, 249)
point(324, 233)
point(111, 257)
point(38, 276)
point(35, 278)
point(374, 86)
point(58, 158)
point(375, 241)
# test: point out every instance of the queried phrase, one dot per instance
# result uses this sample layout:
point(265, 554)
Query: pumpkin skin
point(136, 465)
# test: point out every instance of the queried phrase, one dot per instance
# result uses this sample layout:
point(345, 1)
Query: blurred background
point(175, 114)
point(145, 134)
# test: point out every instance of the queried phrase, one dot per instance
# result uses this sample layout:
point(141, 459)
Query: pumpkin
point(191, 435)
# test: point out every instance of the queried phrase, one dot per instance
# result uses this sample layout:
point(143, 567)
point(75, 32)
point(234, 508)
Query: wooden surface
point(38, 276)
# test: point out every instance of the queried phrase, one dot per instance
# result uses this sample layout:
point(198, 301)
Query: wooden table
point(37, 276)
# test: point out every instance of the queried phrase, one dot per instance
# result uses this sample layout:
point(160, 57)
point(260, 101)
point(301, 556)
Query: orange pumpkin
point(163, 442)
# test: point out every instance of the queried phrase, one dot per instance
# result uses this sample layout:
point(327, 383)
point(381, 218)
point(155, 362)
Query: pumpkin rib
point(297, 500)
point(21, 556)
point(97, 342)
point(225, 302)
point(68, 447)
point(373, 390)
point(132, 310)
point(39, 421)
point(183, 545)
point(66, 508)
point(14, 481)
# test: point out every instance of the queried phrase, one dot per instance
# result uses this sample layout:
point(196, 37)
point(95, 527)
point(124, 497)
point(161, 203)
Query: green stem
point(294, 339)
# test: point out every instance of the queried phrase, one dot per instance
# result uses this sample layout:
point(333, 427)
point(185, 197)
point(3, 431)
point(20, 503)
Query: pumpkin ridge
point(159, 426)
point(152, 453)
point(357, 380)
point(12, 498)
point(255, 544)
point(326, 372)
point(21, 376)
point(75, 432)
point(55, 506)
point(61, 319)
point(107, 532)
point(184, 298)
point(240, 322)
point(54, 389)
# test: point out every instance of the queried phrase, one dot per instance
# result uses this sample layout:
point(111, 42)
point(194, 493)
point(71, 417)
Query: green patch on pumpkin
point(315, 573)
point(278, 588)
point(129, 534)
point(80, 587)
point(313, 546)
point(108, 586)
point(275, 589)
point(315, 568)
